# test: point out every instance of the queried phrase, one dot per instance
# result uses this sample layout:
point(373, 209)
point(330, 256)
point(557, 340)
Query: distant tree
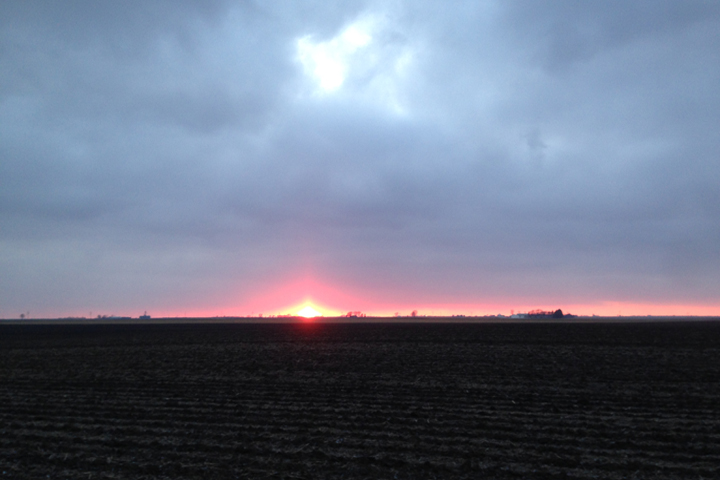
point(414, 313)
point(22, 316)
point(557, 314)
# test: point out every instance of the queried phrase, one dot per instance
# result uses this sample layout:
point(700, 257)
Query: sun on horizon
point(309, 312)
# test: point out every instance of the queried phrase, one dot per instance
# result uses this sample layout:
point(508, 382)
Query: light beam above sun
point(291, 297)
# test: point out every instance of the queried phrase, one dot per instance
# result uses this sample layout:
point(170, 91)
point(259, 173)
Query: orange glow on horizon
point(346, 304)
point(308, 297)
point(329, 308)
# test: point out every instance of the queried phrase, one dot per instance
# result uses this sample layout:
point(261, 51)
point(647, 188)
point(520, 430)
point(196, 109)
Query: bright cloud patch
point(328, 62)
point(369, 59)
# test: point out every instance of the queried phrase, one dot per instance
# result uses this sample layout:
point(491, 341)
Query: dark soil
point(389, 401)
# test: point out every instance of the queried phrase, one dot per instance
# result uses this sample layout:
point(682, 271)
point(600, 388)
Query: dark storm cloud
point(165, 150)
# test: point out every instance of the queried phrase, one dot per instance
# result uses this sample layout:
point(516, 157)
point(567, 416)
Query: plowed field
point(390, 401)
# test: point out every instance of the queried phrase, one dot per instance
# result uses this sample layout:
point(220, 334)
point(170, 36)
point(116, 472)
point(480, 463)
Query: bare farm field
point(220, 401)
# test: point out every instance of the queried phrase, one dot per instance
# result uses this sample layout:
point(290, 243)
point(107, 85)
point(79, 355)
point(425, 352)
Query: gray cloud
point(166, 154)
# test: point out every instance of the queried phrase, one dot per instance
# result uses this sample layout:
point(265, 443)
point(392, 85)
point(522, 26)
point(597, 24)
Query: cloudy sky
point(231, 158)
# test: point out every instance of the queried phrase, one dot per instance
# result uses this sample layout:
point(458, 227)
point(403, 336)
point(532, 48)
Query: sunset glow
point(309, 297)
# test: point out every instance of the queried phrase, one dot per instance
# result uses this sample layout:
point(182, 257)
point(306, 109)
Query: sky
point(222, 158)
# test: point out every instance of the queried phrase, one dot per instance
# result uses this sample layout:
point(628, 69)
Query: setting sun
point(309, 312)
